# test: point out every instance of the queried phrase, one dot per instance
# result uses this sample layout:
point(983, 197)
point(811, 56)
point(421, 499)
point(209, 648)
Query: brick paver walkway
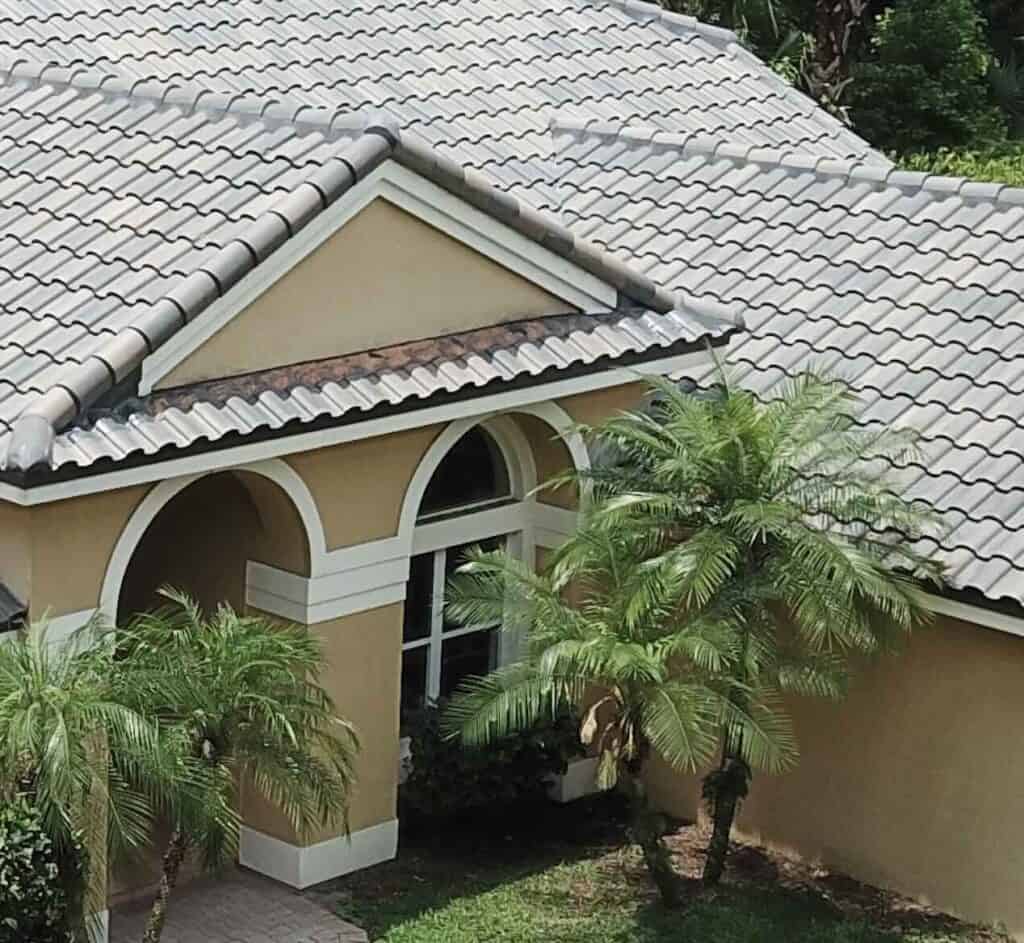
point(240, 907)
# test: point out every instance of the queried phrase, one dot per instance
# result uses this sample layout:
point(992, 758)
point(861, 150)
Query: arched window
point(460, 509)
point(472, 474)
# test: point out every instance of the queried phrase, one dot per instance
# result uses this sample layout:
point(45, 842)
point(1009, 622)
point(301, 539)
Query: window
point(437, 655)
point(471, 474)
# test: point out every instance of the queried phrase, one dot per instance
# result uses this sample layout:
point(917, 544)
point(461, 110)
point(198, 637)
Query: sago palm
point(772, 532)
point(245, 692)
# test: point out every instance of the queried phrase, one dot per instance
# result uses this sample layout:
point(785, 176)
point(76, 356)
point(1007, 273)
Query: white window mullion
point(436, 627)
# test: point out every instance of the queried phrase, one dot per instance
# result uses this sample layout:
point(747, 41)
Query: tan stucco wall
point(590, 408)
point(363, 667)
point(72, 542)
point(359, 486)
point(385, 278)
point(916, 782)
point(60, 552)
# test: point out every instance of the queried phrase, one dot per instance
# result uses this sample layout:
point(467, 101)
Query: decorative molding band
point(374, 574)
point(302, 867)
point(59, 628)
point(976, 614)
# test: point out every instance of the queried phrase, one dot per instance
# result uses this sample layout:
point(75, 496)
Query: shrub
point(924, 82)
point(39, 898)
point(999, 165)
point(448, 779)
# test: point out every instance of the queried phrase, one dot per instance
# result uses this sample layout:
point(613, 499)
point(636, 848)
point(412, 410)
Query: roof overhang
point(41, 485)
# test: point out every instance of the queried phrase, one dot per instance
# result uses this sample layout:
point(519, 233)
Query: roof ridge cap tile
point(850, 169)
point(678, 22)
point(34, 431)
point(190, 97)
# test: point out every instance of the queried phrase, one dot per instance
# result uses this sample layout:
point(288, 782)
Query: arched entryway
point(199, 535)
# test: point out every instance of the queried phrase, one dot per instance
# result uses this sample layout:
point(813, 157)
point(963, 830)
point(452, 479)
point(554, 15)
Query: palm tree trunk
point(646, 829)
point(723, 813)
point(723, 789)
point(174, 854)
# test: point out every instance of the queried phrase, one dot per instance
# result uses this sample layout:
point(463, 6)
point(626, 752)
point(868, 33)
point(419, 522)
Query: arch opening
point(200, 539)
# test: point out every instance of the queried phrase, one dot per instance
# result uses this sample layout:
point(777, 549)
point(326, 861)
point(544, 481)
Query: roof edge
point(849, 170)
point(35, 429)
point(677, 22)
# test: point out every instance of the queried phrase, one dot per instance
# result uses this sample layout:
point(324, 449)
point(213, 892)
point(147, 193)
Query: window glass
point(473, 654)
point(414, 678)
point(456, 556)
point(419, 595)
point(472, 471)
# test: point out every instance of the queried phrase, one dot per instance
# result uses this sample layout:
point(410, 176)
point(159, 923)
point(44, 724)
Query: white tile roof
point(674, 148)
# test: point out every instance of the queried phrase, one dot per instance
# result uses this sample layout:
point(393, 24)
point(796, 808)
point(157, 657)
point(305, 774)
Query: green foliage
point(40, 886)
point(448, 779)
point(732, 552)
point(1000, 165)
point(242, 696)
point(923, 83)
point(90, 764)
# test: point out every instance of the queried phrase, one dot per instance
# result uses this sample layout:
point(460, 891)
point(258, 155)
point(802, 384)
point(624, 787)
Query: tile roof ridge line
point(850, 169)
point(188, 97)
point(417, 155)
point(728, 42)
point(678, 22)
point(34, 431)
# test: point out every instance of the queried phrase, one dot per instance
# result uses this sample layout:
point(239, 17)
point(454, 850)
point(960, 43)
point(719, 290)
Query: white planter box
point(579, 780)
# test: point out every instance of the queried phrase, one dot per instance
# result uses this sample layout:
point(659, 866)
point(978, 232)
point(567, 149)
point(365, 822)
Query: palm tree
point(594, 626)
point(244, 693)
point(94, 768)
point(771, 541)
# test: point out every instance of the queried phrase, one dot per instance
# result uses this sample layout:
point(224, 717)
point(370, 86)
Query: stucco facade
point(913, 782)
point(203, 532)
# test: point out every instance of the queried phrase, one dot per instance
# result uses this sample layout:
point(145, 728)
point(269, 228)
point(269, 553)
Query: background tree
point(244, 693)
point(914, 77)
point(923, 82)
point(743, 551)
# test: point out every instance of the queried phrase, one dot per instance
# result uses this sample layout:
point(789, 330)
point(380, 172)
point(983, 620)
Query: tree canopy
point(937, 84)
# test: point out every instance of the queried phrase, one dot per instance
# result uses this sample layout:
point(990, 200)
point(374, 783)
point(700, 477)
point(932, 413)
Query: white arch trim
point(354, 579)
point(276, 470)
point(513, 444)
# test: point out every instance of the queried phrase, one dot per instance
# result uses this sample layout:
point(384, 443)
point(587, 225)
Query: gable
point(384, 278)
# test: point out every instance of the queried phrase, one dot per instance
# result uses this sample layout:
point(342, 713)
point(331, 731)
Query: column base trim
point(302, 867)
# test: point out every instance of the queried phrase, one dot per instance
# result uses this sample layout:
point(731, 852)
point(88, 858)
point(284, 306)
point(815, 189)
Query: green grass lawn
point(574, 880)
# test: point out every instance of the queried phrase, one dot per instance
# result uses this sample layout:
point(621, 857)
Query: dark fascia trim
point(42, 475)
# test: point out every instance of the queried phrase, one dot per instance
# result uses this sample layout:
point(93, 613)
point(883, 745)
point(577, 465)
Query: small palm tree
point(244, 693)
point(94, 768)
point(601, 643)
point(771, 541)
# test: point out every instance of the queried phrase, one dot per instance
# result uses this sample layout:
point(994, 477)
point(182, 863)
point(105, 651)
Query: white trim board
point(367, 576)
point(302, 867)
point(509, 400)
point(424, 200)
point(988, 618)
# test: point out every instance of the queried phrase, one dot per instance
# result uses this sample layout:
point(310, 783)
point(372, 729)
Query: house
point(297, 300)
